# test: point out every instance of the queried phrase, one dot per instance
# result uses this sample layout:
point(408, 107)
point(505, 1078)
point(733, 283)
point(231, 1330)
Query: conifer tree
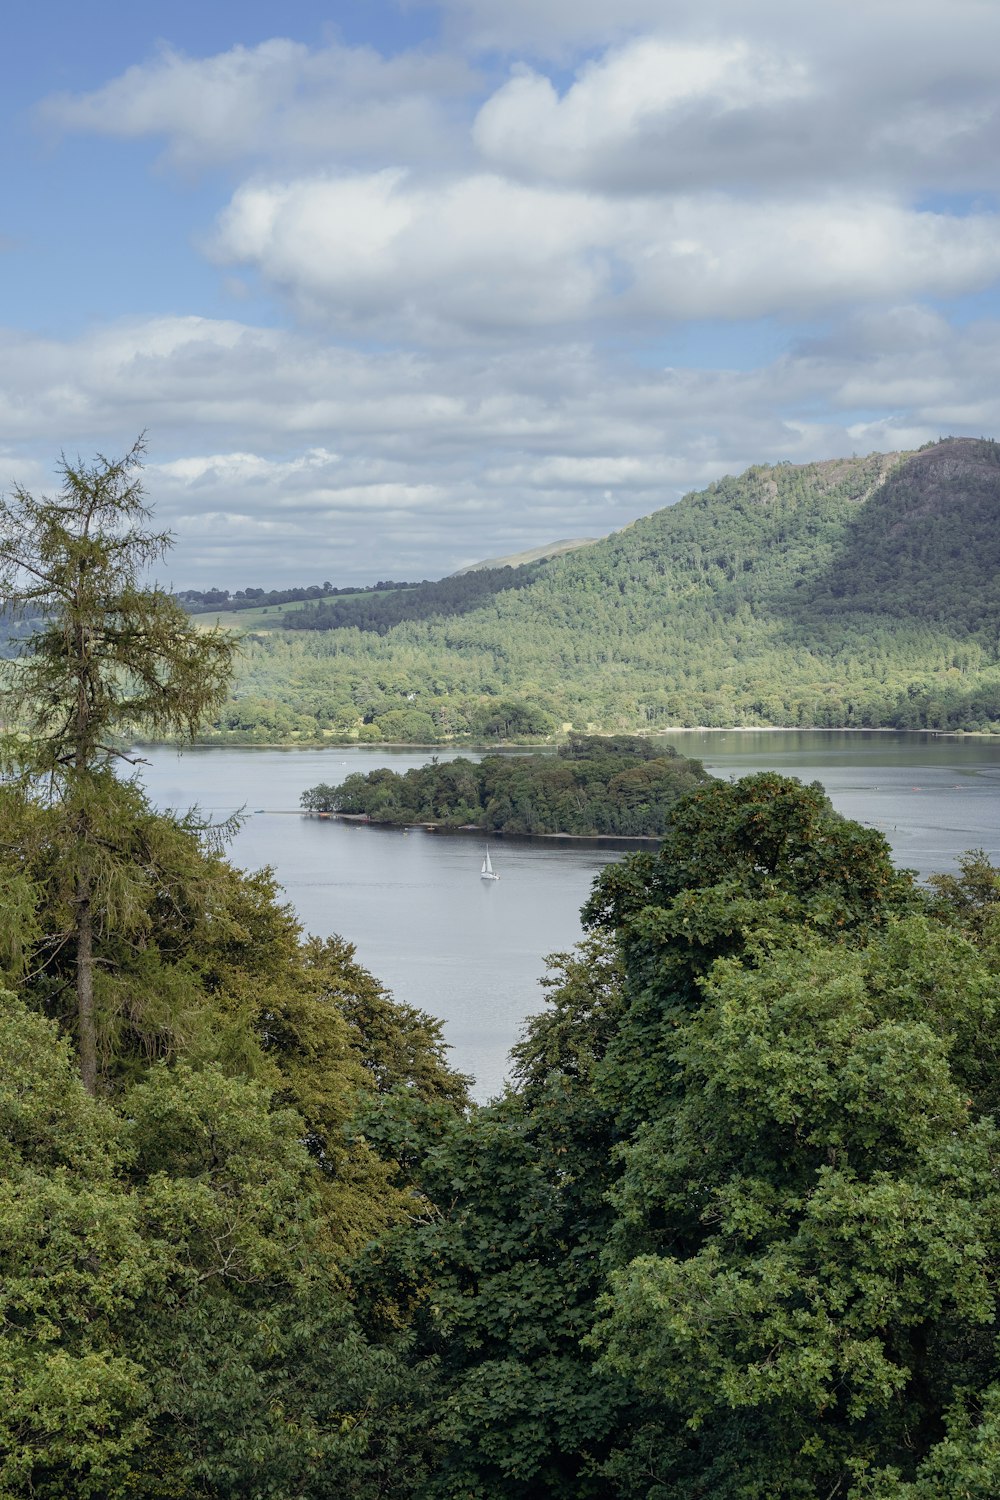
point(111, 657)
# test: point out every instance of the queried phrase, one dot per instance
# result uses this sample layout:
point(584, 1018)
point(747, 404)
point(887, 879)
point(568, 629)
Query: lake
point(472, 951)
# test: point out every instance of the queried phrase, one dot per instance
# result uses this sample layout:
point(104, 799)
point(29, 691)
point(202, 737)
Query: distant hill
point(854, 592)
point(534, 554)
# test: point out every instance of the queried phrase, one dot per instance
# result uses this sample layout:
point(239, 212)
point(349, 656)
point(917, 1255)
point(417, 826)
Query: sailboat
point(488, 872)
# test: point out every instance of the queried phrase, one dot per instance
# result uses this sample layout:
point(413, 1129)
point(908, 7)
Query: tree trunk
point(87, 1038)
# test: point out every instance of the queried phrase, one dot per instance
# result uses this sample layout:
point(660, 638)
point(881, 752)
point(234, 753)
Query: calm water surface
point(472, 951)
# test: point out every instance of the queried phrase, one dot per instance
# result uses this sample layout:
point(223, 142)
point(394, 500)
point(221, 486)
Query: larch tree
point(110, 657)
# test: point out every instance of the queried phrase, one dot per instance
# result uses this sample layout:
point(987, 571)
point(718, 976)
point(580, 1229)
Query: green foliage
point(379, 612)
point(823, 1205)
point(171, 1320)
point(594, 786)
point(74, 1266)
point(496, 1286)
point(803, 1083)
point(742, 862)
point(398, 1046)
point(735, 1232)
point(205, 964)
point(971, 899)
point(174, 1256)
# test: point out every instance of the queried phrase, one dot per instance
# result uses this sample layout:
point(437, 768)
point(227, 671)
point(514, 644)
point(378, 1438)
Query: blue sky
point(394, 287)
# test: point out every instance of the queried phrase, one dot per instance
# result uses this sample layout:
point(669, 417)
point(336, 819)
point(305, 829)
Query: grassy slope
point(271, 617)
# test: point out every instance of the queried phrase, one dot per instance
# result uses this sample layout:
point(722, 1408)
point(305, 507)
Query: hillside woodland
point(860, 592)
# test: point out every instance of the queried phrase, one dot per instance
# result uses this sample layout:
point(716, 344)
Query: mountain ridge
point(529, 555)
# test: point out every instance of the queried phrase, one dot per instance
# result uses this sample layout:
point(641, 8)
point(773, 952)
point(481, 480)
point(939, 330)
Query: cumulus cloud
point(485, 254)
point(723, 257)
point(755, 168)
point(478, 251)
point(857, 92)
point(561, 29)
point(783, 97)
point(631, 117)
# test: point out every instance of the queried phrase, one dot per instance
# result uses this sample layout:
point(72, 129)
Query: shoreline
point(529, 746)
point(468, 829)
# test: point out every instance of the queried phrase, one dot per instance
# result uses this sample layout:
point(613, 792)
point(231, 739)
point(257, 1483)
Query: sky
point(393, 286)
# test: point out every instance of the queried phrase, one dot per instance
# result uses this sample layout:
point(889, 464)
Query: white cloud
point(633, 96)
point(726, 258)
point(778, 96)
point(479, 252)
point(198, 526)
point(483, 254)
point(883, 33)
point(276, 99)
point(594, 471)
point(718, 165)
point(777, 93)
point(495, 312)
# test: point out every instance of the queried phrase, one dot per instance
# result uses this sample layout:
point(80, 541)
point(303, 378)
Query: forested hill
point(858, 592)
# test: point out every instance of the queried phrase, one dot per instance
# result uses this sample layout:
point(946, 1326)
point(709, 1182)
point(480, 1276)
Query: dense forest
point(457, 595)
point(732, 1234)
point(617, 785)
point(858, 592)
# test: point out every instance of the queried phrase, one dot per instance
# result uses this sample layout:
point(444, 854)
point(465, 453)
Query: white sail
point(488, 872)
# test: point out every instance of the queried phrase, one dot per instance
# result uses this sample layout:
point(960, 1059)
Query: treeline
point(620, 785)
point(859, 593)
point(733, 1233)
point(202, 601)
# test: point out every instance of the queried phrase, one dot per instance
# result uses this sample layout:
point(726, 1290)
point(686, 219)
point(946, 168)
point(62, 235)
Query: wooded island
point(620, 785)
